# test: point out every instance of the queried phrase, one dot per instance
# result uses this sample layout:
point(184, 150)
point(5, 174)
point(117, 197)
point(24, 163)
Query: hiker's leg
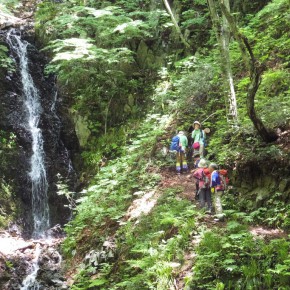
point(184, 162)
point(196, 190)
point(201, 150)
point(178, 160)
point(208, 199)
point(218, 203)
point(202, 197)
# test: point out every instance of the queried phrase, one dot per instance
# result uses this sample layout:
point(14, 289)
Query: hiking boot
point(220, 217)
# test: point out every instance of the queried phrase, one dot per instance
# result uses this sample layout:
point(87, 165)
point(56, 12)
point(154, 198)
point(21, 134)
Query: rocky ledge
point(29, 263)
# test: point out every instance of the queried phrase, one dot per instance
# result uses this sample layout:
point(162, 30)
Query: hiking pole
point(208, 117)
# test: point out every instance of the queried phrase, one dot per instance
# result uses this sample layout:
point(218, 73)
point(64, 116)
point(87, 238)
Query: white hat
point(202, 163)
point(181, 132)
point(196, 122)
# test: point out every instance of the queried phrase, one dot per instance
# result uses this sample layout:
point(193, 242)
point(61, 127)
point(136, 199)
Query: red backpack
point(202, 176)
point(223, 174)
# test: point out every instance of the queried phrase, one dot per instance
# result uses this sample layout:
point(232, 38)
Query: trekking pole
point(208, 117)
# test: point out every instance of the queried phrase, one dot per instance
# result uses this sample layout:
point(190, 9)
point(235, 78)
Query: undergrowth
point(232, 258)
point(149, 252)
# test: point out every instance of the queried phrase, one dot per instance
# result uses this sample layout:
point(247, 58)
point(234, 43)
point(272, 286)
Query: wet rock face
point(4, 272)
point(18, 263)
point(56, 127)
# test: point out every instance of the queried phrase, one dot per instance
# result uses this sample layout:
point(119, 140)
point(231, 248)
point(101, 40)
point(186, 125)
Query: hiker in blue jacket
point(179, 145)
point(216, 189)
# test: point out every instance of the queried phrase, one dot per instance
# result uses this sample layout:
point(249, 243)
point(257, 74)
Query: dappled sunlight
point(9, 244)
point(82, 47)
point(266, 232)
point(141, 206)
point(99, 13)
point(122, 27)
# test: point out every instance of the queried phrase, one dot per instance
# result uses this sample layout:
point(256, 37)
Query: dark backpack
point(174, 146)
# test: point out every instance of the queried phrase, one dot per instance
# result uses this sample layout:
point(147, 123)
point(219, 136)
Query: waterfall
point(30, 281)
point(33, 110)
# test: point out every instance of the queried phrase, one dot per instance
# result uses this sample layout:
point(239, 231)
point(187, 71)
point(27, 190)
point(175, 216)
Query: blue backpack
point(174, 146)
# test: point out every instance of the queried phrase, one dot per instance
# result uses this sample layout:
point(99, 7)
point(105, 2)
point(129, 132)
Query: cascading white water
point(32, 106)
point(30, 281)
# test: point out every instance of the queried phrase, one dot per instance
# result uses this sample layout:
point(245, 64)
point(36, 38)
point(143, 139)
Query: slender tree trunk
point(223, 37)
point(168, 8)
point(255, 69)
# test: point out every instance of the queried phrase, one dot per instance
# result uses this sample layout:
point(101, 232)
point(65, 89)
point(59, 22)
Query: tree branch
point(168, 8)
point(255, 69)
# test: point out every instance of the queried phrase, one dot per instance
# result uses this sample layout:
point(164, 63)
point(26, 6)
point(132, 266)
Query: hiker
point(179, 144)
point(217, 188)
point(196, 159)
point(198, 138)
point(202, 174)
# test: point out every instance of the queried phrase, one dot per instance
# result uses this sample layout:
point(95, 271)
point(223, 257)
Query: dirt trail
point(187, 185)
point(171, 180)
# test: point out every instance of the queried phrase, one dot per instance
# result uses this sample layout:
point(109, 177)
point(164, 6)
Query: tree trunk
point(256, 70)
point(168, 8)
point(223, 37)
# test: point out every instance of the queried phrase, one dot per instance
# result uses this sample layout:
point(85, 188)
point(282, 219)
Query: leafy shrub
point(237, 260)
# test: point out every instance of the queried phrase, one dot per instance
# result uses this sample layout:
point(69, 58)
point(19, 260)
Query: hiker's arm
point(190, 175)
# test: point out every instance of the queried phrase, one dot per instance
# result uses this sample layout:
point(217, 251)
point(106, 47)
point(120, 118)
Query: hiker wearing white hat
point(198, 137)
point(202, 175)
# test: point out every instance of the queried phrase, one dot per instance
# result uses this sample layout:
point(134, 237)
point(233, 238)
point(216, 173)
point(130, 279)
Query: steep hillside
point(130, 79)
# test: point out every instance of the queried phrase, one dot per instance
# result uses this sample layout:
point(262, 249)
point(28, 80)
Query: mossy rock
point(146, 58)
point(284, 185)
point(262, 193)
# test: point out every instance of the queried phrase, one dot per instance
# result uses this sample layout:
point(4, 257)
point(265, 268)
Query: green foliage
point(195, 22)
point(271, 26)
point(7, 140)
point(113, 89)
point(273, 99)
point(237, 260)
point(156, 252)
point(101, 40)
point(274, 211)
point(111, 191)
point(7, 204)
point(6, 63)
point(8, 5)
point(150, 254)
point(8, 149)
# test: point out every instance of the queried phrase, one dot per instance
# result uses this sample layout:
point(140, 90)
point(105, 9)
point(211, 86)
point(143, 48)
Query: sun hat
point(181, 132)
point(196, 122)
point(202, 163)
point(214, 166)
